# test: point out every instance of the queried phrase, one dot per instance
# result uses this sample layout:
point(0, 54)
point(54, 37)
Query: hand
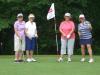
point(79, 34)
point(36, 35)
point(28, 36)
point(18, 36)
point(64, 35)
point(68, 36)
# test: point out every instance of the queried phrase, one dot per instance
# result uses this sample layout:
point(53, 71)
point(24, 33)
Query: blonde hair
point(31, 15)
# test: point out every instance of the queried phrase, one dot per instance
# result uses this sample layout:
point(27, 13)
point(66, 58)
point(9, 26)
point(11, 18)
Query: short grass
point(47, 65)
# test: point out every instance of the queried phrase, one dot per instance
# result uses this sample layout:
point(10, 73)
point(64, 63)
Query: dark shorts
point(30, 43)
point(85, 41)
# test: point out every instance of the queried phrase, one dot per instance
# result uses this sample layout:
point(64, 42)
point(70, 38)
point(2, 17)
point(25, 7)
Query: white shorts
point(67, 44)
point(19, 44)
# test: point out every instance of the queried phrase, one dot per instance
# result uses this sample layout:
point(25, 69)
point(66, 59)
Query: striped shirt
point(84, 29)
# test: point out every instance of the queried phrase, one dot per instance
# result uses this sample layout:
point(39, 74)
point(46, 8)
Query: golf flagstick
point(50, 15)
point(37, 46)
point(56, 35)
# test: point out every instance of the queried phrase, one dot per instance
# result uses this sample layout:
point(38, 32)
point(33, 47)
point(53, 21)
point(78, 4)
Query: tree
point(10, 8)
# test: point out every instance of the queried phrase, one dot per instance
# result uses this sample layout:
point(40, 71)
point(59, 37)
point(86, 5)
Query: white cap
point(20, 15)
point(31, 15)
point(81, 16)
point(67, 14)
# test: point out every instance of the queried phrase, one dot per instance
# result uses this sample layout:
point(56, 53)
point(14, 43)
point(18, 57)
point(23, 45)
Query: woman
point(84, 30)
point(31, 34)
point(67, 37)
point(19, 37)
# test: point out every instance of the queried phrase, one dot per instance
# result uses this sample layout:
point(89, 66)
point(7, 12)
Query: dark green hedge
point(46, 40)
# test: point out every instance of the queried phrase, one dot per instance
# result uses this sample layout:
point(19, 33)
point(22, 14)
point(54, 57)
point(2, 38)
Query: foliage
point(10, 8)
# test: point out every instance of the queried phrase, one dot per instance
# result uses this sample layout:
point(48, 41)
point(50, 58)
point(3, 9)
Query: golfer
point(31, 34)
point(67, 37)
point(19, 37)
point(84, 30)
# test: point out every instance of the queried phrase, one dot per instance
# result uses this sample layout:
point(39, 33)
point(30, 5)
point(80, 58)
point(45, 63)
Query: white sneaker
point(83, 59)
point(28, 60)
point(69, 60)
point(60, 59)
point(91, 60)
point(32, 59)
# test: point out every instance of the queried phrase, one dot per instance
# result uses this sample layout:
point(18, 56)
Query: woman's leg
point(16, 55)
point(90, 50)
point(22, 49)
point(16, 47)
point(33, 45)
point(63, 48)
point(20, 55)
point(28, 47)
point(70, 48)
point(90, 53)
point(28, 54)
point(31, 54)
point(83, 51)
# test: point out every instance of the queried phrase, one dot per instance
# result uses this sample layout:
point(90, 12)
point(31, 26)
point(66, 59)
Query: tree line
point(10, 8)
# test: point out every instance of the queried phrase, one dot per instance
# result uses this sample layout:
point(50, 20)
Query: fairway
point(47, 65)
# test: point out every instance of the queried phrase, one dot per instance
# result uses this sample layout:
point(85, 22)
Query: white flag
point(51, 12)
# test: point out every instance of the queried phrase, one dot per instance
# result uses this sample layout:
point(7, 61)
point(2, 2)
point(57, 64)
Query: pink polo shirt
point(66, 27)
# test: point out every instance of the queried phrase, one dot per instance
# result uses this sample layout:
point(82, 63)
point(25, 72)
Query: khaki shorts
point(19, 44)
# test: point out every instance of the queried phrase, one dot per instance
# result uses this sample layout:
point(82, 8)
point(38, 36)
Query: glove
point(36, 35)
point(68, 36)
point(29, 36)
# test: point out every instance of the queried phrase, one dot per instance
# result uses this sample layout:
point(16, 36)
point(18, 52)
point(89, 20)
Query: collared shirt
point(84, 29)
point(66, 27)
point(31, 29)
point(20, 26)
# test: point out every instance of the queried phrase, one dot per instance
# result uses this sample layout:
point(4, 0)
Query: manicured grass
point(47, 65)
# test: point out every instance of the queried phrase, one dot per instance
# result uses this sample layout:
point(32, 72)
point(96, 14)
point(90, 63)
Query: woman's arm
point(36, 35)
point(60, 29)
point(62, 32)
point(79, 33)
point(26, 29)
point(16, 32)
point(73, 29)
point(90, 26)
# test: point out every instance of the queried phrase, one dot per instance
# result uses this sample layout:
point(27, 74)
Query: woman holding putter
point(84, 30)
point(19, 38)
point(67, 37)
point(31, 35)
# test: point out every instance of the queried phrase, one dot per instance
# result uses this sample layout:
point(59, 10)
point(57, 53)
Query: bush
point(10, 8)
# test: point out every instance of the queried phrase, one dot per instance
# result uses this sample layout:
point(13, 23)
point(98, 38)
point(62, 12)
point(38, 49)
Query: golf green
point(48, 65)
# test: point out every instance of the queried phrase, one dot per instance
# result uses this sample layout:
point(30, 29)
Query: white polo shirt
point(31, 29)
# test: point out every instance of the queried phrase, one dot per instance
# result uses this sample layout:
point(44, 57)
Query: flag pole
point(50, 15)
point(56, 35)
